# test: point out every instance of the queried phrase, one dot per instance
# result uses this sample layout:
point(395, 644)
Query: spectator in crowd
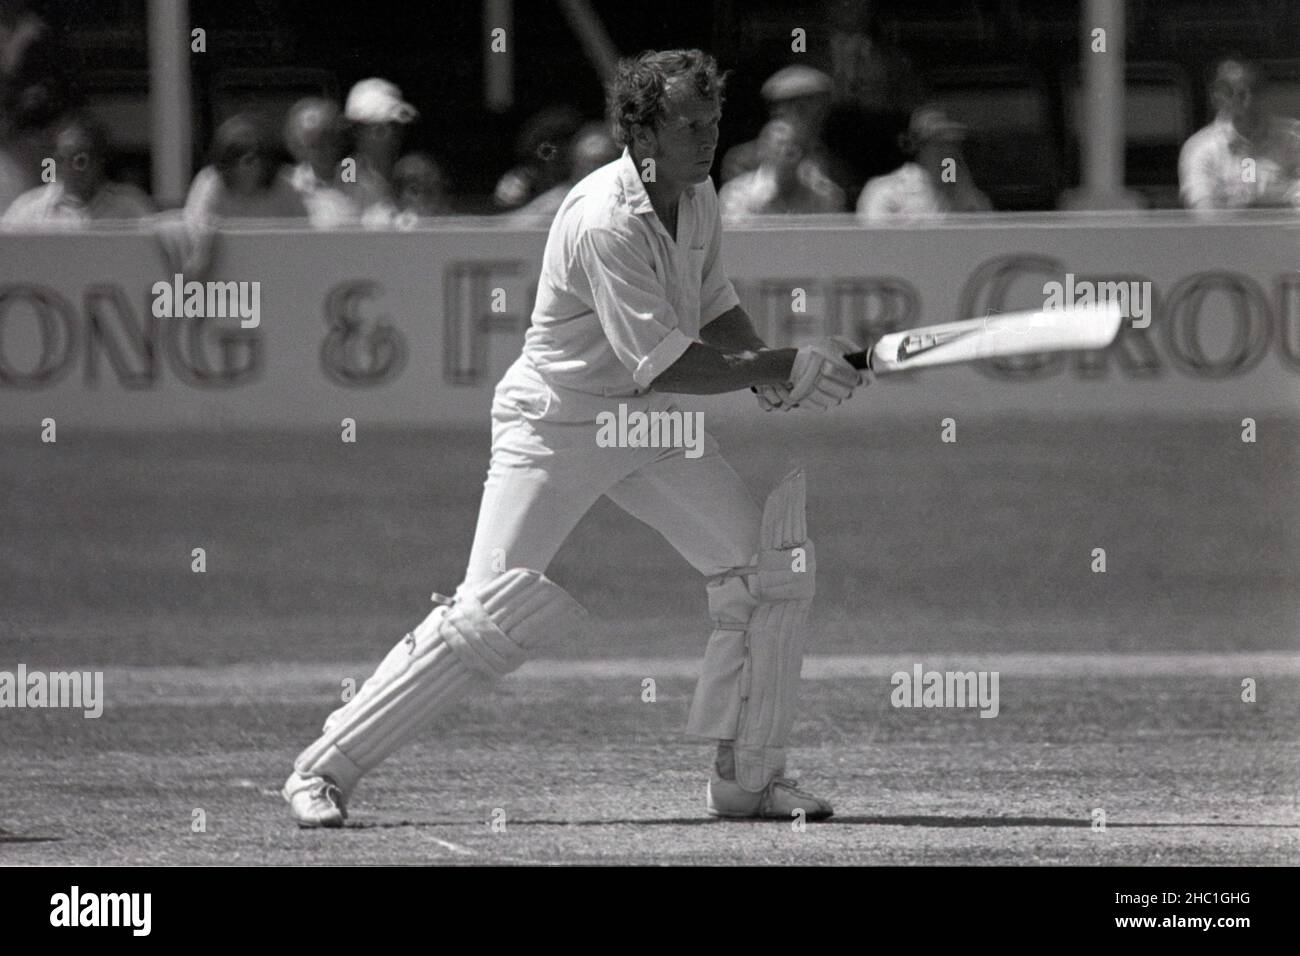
point(776, 187)
point(801, 95)
point(313, 134)
point(36, 89)
point(936, 182)
point(542, 162)
point(378, 116)
point(243, 178)
point(80, 192)
point(1245, 157)
point(420, 186)
point(419, 190)
point(590, 148)
point(27, 128)
point(18, 162)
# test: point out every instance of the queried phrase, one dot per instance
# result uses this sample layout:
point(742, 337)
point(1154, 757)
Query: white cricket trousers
point(546, 474)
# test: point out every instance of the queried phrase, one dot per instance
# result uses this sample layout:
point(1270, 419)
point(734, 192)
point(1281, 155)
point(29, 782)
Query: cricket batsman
point(633, 308)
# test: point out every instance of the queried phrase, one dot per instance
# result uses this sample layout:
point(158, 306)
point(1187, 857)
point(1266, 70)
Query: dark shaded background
point(435, 53)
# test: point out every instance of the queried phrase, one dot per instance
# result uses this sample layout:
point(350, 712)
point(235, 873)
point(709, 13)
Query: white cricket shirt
point(619, 300)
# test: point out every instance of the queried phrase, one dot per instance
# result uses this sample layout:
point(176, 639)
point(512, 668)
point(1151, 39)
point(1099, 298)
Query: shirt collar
point(60, 197)
point(638, 200)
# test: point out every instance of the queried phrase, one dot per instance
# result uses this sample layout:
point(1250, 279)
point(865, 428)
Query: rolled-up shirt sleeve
point(717, 294)
point(630, 303)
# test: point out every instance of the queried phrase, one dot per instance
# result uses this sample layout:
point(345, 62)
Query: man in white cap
point(802, 96)
point(378, 116)
point(935, 183)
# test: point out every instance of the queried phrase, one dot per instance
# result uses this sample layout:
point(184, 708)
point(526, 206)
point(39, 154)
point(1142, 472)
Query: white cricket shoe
point(777, 801)
point(315, 801)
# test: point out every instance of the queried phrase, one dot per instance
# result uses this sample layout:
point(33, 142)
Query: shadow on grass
point(887, 821)
point(7, 837)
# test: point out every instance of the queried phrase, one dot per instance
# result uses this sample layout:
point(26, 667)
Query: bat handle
point(859, 360)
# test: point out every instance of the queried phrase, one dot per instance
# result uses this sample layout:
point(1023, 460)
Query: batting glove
point(820, 377)
point(772, 397)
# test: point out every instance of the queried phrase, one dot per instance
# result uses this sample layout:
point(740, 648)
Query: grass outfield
point(1119, 690)
point(317, 550)
point(585, 771)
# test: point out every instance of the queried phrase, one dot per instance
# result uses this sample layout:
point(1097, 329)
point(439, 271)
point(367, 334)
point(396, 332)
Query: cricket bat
point(1012, 333)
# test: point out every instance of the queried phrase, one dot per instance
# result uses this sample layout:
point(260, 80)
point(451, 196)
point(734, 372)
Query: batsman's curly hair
point(639, 91)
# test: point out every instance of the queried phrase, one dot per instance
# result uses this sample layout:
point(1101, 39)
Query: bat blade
point(994, 336)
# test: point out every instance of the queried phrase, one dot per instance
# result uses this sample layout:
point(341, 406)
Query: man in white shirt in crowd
point(633, 311)
point(589, 149)
point(1245, 158)
point(313, 134)
point(81, 191)
point(935, 183)
point(378, 117)
point(776, 187)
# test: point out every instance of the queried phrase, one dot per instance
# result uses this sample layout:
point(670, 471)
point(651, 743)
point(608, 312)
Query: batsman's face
point(685, 140)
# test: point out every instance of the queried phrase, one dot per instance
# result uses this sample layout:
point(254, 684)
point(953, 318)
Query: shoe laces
point(329, 792)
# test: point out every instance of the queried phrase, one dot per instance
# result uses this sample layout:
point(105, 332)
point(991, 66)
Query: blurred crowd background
point(379, 114)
